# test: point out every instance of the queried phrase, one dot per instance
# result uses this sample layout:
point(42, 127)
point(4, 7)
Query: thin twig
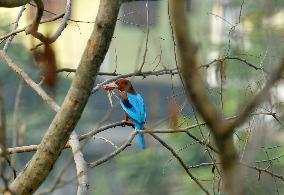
point(116, 152)
point(180, 161)
point(147, 37)
point(142, 74)
point(8, 42)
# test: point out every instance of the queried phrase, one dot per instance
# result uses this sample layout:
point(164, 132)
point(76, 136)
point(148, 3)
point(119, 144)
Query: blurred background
point(251, 30)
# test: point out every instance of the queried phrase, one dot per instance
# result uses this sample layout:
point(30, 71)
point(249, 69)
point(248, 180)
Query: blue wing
point(137, 112)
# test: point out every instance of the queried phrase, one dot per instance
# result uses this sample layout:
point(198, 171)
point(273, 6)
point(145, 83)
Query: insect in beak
point(110, 86)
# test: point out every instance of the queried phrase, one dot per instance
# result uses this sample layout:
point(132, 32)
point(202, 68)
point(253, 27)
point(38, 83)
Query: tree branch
point(29, 81)
point(142, 74)
point(74, 143)
point(8, 42)
point(116, 152)
point(66, 119)
point(260, 97)
point(197, 93)
point(32, 148)
point(81, 165)
point(2, 125)
point(13, 3)
point(32, 29)
point(180, 161)
point(24, 28)
point(231, 58)
point(61, 27)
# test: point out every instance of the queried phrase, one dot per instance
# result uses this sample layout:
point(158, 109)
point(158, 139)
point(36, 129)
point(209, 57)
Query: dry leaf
point(22, 133)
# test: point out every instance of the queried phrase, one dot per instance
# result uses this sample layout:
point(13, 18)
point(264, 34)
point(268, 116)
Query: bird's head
point(121, 85)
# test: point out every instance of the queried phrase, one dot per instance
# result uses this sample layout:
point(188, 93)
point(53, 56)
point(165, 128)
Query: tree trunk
point(69, 114)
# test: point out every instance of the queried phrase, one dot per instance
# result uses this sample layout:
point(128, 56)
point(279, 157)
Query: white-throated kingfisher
point(133, 105)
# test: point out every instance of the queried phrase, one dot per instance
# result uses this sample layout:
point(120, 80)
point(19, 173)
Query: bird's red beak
point(110, 86)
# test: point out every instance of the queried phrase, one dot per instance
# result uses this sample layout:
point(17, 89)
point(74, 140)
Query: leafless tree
point(61, 134)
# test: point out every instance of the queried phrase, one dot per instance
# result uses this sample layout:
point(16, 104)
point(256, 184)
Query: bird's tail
point(140, 137)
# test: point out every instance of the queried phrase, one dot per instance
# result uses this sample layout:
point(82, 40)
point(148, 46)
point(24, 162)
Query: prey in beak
point(110, 87)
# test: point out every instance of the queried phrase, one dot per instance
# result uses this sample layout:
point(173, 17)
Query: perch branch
point(142, 74)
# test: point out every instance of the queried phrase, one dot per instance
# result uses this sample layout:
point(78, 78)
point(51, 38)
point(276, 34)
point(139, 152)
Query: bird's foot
point(124, 122)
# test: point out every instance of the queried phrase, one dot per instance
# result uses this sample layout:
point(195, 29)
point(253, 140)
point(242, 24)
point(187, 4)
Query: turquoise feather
point(137, 113)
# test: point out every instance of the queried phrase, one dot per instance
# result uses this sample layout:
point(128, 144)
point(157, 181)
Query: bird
point(133, 105)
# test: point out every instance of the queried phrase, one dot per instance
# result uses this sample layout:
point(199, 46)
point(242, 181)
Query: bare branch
point(259, 169)
point(263, 170)
point(190, 72)
point(66, 119)
point(56, 17)
point(32, 29)
point(96, 131)
point(116, 152)
point(22, 149)
point(147, 37)
point(142, 74)
point(74, 143)
point(61, 27)
point(201, 142)
point(3, 156)
point(29, 81)
point(32, 148)
point(197, 93)
point(13, 3)
point(107, 141)
point(57, 181)
point(15, 120)
point(2, 123)
point(8, 42)
point(260, 97)
point(231, 58)
point(128, 143)
point(81, 165)
point(180, 161)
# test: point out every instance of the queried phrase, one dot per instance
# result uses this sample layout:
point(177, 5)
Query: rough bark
point(13, 3)
point(66, 119)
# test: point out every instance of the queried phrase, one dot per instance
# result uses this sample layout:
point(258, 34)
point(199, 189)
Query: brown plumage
point(125, 85)
point(47, 61)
